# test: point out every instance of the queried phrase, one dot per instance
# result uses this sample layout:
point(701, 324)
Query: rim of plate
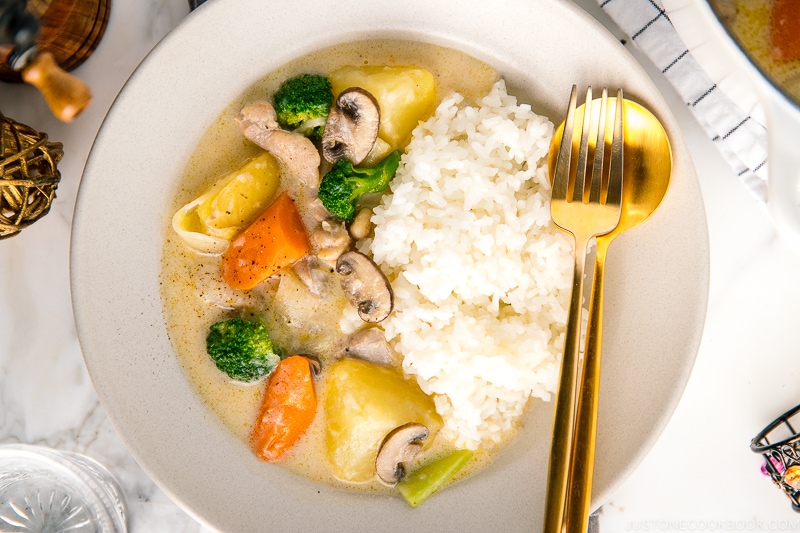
point(121, 220)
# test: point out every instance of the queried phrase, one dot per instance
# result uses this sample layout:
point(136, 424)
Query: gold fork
point(586, 210)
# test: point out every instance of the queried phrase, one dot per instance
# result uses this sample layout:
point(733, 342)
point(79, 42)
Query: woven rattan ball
point(28, 175)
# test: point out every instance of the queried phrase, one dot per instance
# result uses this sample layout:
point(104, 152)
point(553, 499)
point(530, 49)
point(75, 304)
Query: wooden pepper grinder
point(40, 40)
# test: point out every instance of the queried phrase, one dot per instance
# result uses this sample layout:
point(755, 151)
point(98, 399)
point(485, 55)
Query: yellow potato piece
point(241, 196)
point(363, 403)
point(406, 96)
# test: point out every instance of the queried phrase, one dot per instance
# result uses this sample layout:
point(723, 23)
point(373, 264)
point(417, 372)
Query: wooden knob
point(65, 94)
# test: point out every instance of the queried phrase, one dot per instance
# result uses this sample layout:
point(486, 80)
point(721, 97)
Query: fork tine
point(615, 174)
point(561, 174)
point(599, 151)
point(583, 151)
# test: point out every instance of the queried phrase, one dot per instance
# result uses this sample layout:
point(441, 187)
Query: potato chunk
point(210, 221)
point(241, 197)
point(405, 95)
point(363, 403)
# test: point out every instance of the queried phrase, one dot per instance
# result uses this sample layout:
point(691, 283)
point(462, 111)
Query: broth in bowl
point(769, 33)
point(369, 339)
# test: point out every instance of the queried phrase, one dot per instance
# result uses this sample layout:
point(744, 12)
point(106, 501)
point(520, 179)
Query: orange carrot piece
point(786, 29)
point(276, 239)
point(288, 409)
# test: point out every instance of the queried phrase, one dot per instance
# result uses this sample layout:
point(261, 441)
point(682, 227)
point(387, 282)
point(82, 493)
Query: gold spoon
point(647, 167)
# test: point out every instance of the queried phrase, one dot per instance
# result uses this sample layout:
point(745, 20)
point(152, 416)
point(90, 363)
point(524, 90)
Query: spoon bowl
point(647, 162)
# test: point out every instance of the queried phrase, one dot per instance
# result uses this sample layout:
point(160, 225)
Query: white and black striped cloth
point(741, 139)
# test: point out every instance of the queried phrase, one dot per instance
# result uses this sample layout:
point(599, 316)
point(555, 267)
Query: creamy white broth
point(222, 149)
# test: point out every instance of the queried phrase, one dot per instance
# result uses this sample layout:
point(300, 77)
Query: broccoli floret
point(344, 185)
point(303, 103)
point(242, 349)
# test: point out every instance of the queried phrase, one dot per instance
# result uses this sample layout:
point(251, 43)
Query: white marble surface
point(700, 476)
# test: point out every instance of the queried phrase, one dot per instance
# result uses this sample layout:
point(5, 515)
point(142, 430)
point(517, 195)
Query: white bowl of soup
point(751, 49)
point(466, 277)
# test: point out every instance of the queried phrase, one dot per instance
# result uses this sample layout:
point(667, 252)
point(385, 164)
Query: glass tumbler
point(44, 490)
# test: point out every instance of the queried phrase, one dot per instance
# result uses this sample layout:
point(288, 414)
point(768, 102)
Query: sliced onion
point(196, 240)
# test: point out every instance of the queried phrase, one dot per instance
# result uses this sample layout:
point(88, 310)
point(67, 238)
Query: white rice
point(481, 275)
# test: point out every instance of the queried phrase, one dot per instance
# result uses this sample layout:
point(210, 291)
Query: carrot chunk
point(276, 239)
point(786, 29)
point(287, 411)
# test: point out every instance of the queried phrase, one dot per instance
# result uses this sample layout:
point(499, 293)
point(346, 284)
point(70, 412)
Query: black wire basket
point(779, 443)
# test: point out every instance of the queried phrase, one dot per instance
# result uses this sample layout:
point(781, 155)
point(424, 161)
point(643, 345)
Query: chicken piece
point(361, 226)
point(296, 153)
point(308, 272)
point(371, 345)
point(317, 210)
point(211, 288)
point(330, 240)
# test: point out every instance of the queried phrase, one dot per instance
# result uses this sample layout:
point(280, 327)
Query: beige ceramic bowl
point(657, 274)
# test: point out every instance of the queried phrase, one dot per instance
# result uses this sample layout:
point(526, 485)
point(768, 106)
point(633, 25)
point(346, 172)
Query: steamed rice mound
point(481, 275)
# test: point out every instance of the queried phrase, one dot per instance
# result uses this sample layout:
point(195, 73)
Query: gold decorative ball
point(792, 477)
point(28, 175)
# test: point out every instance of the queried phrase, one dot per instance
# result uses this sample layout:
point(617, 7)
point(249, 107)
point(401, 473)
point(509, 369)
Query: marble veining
point(46, 396)
point(700, 470)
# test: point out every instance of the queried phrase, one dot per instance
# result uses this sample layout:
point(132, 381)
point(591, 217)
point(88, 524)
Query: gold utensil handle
point(585, 435)
point(561, 447)
point(585, 430)
point(65, 94)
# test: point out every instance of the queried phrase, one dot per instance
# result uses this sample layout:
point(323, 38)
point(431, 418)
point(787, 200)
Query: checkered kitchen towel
point(741, 139)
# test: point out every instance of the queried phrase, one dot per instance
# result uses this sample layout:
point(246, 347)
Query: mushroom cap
point(352, 126)
point(401, 445)
point(365, 286)
point(315, 364)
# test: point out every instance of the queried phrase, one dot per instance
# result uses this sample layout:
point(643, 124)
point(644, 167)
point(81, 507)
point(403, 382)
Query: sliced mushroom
point(352, 126)
point(401, 445)
point(315, 364)
point(370, 345)
point(365, 286)
point(296, 153)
